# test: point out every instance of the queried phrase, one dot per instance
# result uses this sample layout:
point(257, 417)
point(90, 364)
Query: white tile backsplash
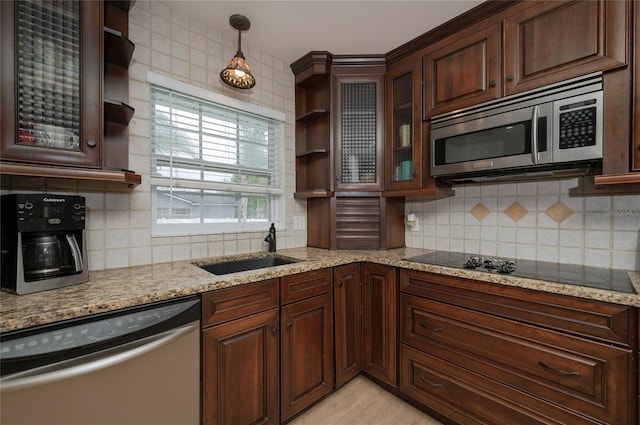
point(601, 229)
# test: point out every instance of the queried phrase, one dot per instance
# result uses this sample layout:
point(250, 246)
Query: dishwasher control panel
point(112, 326)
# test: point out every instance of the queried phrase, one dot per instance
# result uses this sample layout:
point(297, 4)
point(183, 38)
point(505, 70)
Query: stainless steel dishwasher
point(134, 366)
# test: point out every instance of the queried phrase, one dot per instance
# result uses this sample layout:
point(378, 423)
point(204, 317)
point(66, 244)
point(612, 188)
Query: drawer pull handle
point(430, 382)
point(430, 328)
point(561, 372)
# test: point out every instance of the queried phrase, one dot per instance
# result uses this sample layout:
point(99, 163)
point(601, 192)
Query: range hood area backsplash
point(566, 221)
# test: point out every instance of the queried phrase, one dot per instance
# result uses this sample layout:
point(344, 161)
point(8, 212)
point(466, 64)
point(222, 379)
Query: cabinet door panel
point(379, 321)
point(465, 72)
point(46, 118)
point(306, 354)
point(348, 325)
point(550, 41)
point(358, 129)
point(240, 371)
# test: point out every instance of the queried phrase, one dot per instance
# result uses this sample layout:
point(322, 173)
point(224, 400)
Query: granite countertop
point(114, 289)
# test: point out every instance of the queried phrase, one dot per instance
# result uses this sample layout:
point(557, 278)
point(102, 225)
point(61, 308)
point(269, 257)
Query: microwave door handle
point(534, 134)
point(75, 252)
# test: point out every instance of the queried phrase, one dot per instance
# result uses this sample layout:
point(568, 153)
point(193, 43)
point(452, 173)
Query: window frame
point(277, 193)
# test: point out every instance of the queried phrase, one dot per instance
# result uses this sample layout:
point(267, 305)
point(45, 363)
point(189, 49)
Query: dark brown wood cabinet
point(379, 309)
point(241, 354)
point(63, 113)
point(340, 153)
point(463, 70)
point(547, 42)
point(313, 114)
point(28, 133)
point(526, 46)
point(307, 368)
point(407, 151)
point(477, 353)
point(240, 371)
point(347, 302)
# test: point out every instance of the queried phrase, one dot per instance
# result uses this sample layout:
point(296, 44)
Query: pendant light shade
point(237, 74)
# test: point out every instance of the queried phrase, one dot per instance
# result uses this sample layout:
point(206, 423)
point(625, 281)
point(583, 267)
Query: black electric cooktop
point(572, 274)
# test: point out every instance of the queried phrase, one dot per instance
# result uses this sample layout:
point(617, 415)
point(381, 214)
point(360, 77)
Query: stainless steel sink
point(244, 264)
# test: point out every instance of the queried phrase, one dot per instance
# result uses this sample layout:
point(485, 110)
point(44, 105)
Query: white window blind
point(214, 168)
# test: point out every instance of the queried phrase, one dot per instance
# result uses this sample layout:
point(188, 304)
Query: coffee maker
point(43, 242)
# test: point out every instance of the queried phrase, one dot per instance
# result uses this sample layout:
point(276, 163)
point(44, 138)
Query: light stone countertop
point(114, 289)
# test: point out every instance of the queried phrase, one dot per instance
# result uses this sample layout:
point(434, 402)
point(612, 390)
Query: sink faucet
point(271, 238)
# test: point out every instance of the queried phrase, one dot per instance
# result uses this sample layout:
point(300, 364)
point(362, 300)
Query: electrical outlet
point(298, 222)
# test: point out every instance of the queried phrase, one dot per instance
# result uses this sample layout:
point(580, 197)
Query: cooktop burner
point(572, 274)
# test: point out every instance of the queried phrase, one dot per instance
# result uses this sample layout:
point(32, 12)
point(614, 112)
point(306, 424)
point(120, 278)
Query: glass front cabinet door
point(403, 148)
point(359, 132)
point(51, 82)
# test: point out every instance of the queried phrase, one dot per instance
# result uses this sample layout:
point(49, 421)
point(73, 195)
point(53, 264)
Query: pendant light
point(237, 74)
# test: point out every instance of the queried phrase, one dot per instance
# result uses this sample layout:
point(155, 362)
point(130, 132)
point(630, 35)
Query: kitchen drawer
point(304, 285)
point(227, 304)
point(586, 376)
point(593, 319)
point(463, 396)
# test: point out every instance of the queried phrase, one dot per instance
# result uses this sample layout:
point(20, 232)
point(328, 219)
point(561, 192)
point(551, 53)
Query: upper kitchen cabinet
point(56, 72)
point(547, 42)
point(525, 46)
point(313, 134)
point(51, 82)
point(358, 94)
point(463, 69)
point(406, 153)
point(340, 116)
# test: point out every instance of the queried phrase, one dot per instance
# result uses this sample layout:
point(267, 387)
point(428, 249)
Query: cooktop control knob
point(507, 266)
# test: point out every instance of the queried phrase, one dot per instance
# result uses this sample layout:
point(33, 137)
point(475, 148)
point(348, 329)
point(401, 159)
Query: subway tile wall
point(172, 44)
point(566, 221)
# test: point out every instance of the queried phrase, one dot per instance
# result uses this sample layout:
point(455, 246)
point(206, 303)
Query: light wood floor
point(362, 402)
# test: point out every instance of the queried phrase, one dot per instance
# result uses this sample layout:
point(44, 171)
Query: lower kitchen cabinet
point(241, 354)
point(477, 352)
point(379, 299)
point(240, 371)
point(347, 301)
point(307, 367)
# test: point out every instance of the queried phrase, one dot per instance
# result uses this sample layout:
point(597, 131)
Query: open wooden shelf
point(118, 49)
point(118, 112)
point(313, 115)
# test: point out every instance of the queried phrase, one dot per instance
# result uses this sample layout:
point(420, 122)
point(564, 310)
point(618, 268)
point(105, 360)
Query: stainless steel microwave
point(551, 131)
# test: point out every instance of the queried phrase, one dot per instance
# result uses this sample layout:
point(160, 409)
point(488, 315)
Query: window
point(216, 162)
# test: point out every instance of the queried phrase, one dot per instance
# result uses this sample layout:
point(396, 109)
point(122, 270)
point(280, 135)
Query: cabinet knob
point(337, 178)
point(339, 283)
point(274, 331)
point(492, 83)
point(92, 143)
point(415, 174)
point(289, 325)
point(509, 77)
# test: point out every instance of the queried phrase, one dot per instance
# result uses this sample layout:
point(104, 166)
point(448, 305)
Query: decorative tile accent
point(480, 211)
point(516, 211)
point(559, 212)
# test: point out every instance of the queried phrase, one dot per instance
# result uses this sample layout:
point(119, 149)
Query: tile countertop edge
point(115, 289)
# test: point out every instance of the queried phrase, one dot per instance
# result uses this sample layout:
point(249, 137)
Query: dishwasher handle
point(93, 362)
